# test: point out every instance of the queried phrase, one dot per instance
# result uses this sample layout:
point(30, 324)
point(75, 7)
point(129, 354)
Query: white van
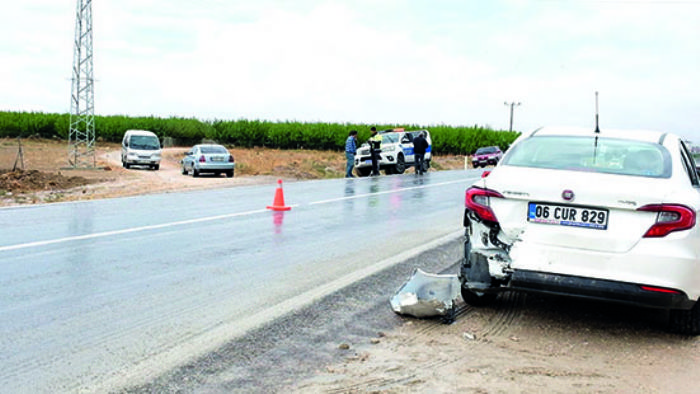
point(142, 148)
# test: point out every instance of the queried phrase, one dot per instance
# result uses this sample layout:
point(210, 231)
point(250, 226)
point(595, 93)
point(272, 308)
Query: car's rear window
point(606, 155)
point(483, 151)
point(213, 149)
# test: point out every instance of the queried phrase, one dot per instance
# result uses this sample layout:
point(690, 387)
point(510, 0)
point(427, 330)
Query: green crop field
point(248, 133)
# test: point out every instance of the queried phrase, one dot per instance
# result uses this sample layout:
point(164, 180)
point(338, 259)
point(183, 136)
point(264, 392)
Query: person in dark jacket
point(420, 145)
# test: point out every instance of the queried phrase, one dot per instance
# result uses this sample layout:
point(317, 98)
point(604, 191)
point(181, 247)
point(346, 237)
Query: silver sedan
point(208, 158)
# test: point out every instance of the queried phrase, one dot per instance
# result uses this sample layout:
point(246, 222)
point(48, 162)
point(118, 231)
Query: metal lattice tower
point(81, 137)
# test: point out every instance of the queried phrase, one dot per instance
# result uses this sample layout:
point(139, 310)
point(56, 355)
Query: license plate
point(368, 161)
point(217, 159)
point(566, 215)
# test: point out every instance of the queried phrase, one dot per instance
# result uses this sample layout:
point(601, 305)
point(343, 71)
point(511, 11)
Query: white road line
point(200, 220)
point(127, 230)
point(385, 192)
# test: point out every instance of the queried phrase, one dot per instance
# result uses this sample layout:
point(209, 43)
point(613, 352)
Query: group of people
point(420, 145)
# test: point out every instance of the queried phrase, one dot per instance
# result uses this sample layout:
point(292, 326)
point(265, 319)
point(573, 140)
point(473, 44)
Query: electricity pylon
point(81, 136)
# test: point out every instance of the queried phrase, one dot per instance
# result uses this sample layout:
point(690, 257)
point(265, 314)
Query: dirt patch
point(523, 344)
point(21, 181)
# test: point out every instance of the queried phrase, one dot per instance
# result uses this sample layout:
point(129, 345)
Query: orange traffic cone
point(278, 204)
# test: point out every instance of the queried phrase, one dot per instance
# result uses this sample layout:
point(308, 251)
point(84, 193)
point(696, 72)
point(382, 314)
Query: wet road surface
point(96, 295)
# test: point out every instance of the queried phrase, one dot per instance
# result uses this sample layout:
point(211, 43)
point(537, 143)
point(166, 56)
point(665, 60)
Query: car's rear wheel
point(364, 171)
point(184, 170)
point(195, 172)
point(156, 167)
point(127, 165)
point(685, 321)
point(229, 174)
point(400, 165)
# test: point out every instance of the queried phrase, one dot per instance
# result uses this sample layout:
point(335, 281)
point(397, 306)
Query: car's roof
point(140, 132)
point(401, 130)
point(637, 135)
point(209, 145)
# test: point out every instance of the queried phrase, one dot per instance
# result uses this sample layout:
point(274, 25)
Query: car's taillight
point(230, 158)
point(202, 159)
point(660, 290)
point(669, 218)
point(477, 200)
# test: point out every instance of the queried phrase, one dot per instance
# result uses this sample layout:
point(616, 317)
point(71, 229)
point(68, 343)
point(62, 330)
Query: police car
point(396, 152)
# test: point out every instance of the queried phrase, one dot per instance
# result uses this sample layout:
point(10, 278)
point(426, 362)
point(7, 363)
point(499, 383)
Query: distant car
point(489, 155)
point(140, 148)
point(396, 152)
point(208, 159)
point(606, 216)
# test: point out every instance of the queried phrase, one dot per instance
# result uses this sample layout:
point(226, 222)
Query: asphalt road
point(98, 295)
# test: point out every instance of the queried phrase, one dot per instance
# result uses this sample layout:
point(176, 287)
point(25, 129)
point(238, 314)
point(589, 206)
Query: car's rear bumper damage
point(427, 295)
point(489, 267)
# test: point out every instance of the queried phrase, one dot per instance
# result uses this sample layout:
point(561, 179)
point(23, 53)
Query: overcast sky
point(367, 61)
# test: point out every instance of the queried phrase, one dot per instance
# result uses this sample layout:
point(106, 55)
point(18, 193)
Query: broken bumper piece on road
point(427, 295)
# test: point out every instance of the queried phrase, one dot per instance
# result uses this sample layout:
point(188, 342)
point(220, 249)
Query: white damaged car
point(607, 215)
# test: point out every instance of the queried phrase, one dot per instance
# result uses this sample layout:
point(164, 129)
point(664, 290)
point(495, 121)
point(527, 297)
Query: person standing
point(375, 144)
point(350, 152)
point(420, 145)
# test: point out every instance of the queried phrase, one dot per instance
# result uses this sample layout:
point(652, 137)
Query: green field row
point(247, 133)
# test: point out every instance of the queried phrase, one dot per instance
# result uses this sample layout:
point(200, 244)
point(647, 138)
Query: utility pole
point(512, 104)
point(81, 136)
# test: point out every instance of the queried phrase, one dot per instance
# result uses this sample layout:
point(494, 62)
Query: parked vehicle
point(208, 159)
point(606, 216)
point(489, 155)
point(142, 148)
point(396, 152)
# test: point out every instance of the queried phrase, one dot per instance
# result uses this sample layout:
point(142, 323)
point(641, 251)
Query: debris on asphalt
point(427, 295)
